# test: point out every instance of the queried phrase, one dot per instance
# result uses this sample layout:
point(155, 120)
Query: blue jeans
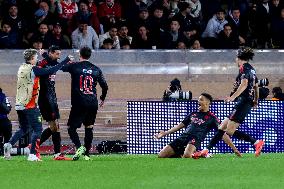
point(29, 119)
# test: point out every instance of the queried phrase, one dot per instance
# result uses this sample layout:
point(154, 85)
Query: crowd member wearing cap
point(57, 38)
point(214, 26)
point(84, 36)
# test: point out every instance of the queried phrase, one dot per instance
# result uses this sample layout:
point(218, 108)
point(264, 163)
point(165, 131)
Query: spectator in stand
point(111, 34)
point(214, 26)
point(277, 28)
point(93, 7)
point(263, 21)
point(123, 33)
point(50, 18)
point(181, 45)
point(125, 44)
point(275, 9)
point(164, 5)
point(16, 21)
point(42, 33)
point(251, 39)
point(174, 7)
point(132, 9)
point(107, 44)
point(143, 39)
point(190, 35)
point(37, 44)
point(227, 39)
point(9, 39)
point(85, 36)
point(58, 39)
point(183, 16)
point(195, 11)
point(66, 10)
point(170, 39)
point(157, 22)
point(84, 14)
point(143, 19)
point(238, 24)
point(196, 45)
point(277, 93)
point(109, 13)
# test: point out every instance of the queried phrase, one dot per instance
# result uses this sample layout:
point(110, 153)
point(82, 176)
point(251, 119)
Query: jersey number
point(86, 84)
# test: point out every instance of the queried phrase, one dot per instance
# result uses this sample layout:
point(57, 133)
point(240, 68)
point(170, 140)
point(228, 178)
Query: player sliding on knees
point(197, 124)
point(245, 91)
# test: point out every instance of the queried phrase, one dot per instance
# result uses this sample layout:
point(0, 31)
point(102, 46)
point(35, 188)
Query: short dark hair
point(208, 96)
point(245, 53)
point(85, 52)
point(54, 48)
point(108, 40)
point(277, 90)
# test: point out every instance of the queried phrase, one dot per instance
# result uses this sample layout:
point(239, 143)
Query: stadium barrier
point(146, 118)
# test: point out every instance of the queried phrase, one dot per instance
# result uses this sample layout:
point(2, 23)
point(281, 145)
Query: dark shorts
point(180, 143)
point(49, 111)
point(241, 110)
point(79, 114)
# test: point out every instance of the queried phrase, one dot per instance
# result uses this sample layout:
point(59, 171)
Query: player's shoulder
point(213, 116)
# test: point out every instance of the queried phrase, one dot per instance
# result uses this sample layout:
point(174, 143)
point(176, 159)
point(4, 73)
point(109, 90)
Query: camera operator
point(277, 93)
point(174, 92)
point(5, 123)
point(263, 90)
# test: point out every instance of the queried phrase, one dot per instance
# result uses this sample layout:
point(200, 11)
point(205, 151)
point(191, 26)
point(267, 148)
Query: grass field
point(145, 171)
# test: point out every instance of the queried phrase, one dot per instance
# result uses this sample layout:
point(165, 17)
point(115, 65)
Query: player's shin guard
point(217, 137)
point(74, 136)
point(88, 139)
point(243, 136)
point(45, 135)
point(56, 139)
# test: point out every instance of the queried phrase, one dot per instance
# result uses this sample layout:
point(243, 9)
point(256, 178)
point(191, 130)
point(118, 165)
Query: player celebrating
point(26, 101)
point(48, 102)
point(197, 124)
point(245, 91)
point(85, 76)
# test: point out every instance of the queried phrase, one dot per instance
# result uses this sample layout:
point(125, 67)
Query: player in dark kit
point(197, 124)
point(48, 102)
point(245, 92)
point(85, 76)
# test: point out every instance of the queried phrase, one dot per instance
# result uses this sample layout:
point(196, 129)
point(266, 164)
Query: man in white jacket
point(112, 34)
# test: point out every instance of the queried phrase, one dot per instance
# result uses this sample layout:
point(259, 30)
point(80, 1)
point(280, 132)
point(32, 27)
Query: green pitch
point(145, 171)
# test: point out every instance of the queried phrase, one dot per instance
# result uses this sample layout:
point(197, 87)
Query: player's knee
point(162, 155)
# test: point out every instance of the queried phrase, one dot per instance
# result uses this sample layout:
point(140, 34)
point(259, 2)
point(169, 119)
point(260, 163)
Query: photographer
point(277, 93)
point(263, 90)
point(5, 123)
point(174, 92)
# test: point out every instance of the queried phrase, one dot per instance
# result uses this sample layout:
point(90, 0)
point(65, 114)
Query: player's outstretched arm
point(228, 141)
point(241, 88)
point(172, 130)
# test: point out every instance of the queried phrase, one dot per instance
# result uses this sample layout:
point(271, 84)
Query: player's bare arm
point(256, 95)
point(241, 88)
point(172, 130)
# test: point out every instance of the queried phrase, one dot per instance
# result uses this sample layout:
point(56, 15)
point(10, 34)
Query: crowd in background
point(142, 24)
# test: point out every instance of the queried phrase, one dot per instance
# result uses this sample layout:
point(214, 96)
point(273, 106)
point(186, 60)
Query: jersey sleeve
point(46, 71)
point(215, 122)
point(103, 84)
point(187, 120)
point(246, 73)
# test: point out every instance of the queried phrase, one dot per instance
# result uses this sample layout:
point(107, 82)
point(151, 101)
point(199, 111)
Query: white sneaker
point(7, 151)
point(32, 157)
